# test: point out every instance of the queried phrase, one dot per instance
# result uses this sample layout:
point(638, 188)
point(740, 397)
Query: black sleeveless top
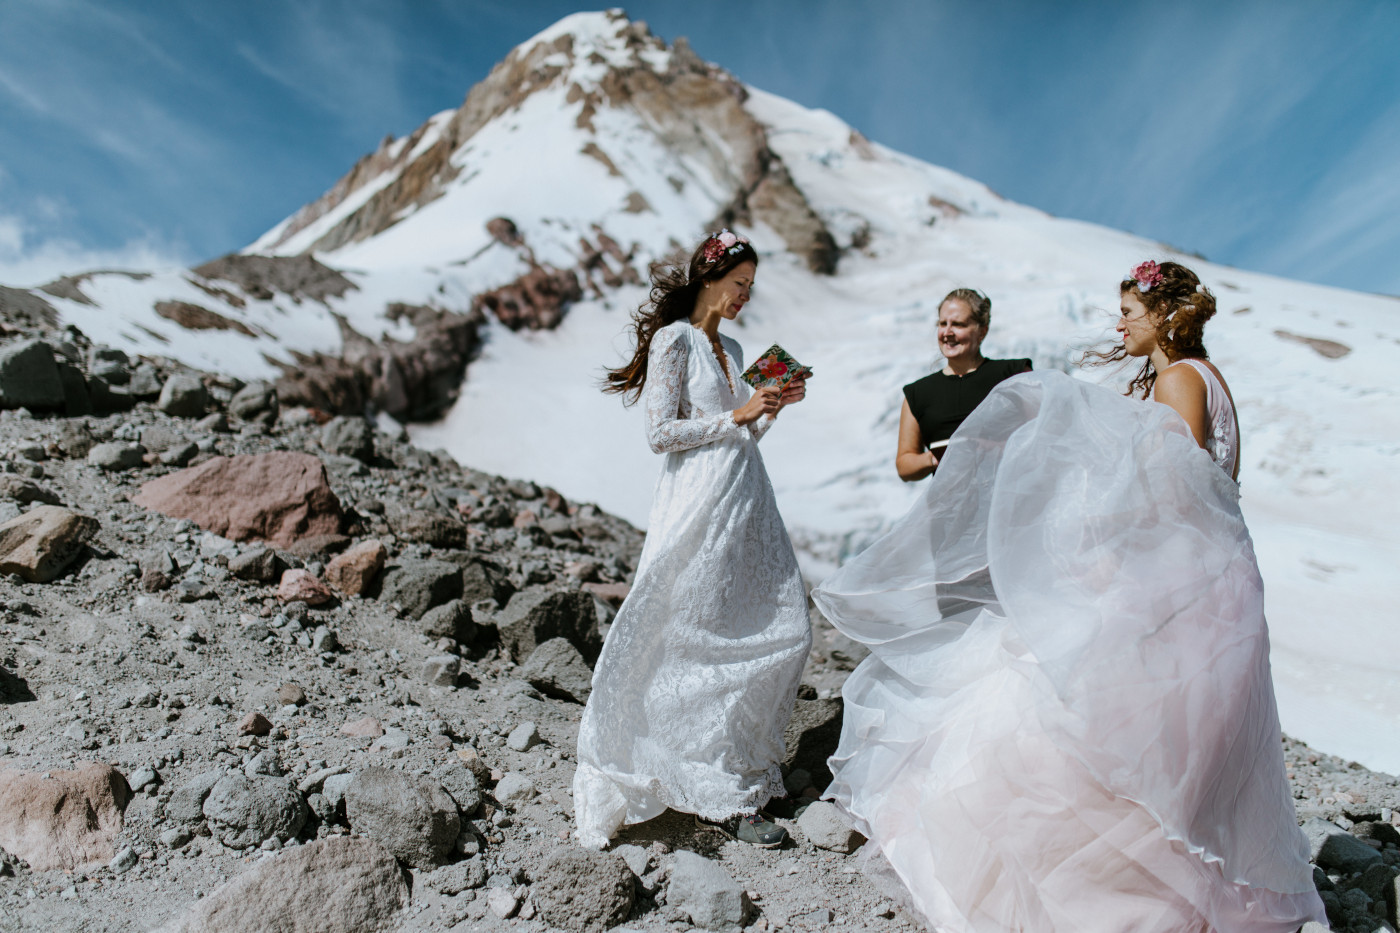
point(940, 402)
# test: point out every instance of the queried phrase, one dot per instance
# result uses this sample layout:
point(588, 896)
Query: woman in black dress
point(935, 405)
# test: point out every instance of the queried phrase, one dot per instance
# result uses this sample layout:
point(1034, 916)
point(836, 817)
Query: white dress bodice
point(1223, 444)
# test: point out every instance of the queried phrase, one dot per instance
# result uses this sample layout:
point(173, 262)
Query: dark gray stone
point(29, 377)
point(75, 394)
point(582, 890)
point(535, 615)
point(243, 811)
point(257, 402)
point(811, 738)
point(1336, 850)
point(117, 456)
point(459, 781)
point(556, 669)
point(411, 816)
point(349, 437)
point(183, 396)
point(705, 892)
point(261, 565)
point(442, 670)
point(484, 580)
point(186, 805)
point(419, 585)
point(161, 437)
point(453, 619)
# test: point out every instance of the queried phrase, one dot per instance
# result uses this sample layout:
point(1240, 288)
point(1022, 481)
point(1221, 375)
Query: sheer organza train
point(1067, 721)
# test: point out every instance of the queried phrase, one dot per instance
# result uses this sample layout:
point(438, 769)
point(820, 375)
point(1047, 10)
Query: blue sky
point(1260, 134)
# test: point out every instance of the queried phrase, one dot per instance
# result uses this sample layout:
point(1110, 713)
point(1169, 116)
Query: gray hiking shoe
point(753, 828)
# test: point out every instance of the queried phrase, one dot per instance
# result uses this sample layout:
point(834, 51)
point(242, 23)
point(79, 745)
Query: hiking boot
point(752, 828)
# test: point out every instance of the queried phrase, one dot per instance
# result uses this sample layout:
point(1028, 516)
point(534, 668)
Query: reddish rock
point(39, 544)
point(525, 518)
point(254, 724)
point(290, 693)
point(611, 593)
point(555, 502)
point(280, 497)
point(300, 585)
point(367, 728)
point(62, 819)
point(353, 571)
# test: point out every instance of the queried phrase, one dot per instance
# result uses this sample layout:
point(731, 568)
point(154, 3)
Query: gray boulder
point(183, 396)
point(826, 828)
point(442, 670)
point(243, 811)
point(482, 580)
point(419, 585)
point(257, 402)
point(1336, 850)
point(110, 365)
point(330, 886)
point(582, 890)
point(29, 377)
point(705, 892)
point(537, 614)
point(812, 735)
point(411, 816)
point(260, 564)
point(461, 783)
point(453, 619)
point(556, 669)
point(349, 437)
point(186, 805)
point(115, 456)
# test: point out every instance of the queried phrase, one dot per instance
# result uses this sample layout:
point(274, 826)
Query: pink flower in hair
point(727, 239)
point(714, 249)
point(1147, 275)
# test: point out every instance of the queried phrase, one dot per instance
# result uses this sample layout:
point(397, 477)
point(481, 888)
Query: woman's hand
point(766, 401)
point(794, 392)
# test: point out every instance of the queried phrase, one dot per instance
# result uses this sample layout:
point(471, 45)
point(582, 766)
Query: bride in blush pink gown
point(1067, 721)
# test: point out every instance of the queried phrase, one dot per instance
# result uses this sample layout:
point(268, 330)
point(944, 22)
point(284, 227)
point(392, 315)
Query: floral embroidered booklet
point(774, 368)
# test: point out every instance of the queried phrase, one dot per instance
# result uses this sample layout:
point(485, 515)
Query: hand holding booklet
point(775, 368)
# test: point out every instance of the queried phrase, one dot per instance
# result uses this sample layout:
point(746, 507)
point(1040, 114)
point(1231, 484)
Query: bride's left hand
point(794, 391)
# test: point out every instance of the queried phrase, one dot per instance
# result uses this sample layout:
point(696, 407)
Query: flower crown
point(1147, 275)
point(724, 243)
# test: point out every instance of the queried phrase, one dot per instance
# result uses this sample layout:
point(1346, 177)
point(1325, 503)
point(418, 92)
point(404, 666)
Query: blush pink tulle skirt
point(1067, 721)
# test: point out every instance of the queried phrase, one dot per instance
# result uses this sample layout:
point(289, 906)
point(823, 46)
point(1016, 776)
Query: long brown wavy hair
point(674, 288)
point(1179, 306)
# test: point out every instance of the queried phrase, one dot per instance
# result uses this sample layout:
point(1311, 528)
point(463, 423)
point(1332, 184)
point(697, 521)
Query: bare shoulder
point(1179, 382)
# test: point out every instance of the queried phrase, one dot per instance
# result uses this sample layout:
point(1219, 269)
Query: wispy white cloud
point(27, 260)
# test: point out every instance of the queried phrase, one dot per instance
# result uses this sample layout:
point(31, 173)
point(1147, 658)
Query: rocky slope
point(274, 666)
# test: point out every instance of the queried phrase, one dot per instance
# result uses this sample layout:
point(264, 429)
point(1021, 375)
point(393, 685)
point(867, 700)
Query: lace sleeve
point(760, 427)
point(666, 430)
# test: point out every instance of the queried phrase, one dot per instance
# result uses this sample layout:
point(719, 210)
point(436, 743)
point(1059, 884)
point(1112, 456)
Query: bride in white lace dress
point(700, 670)
point(1067, 721)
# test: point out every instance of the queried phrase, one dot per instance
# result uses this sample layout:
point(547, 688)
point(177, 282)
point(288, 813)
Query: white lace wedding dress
point(1067, 721)
point(699, 673)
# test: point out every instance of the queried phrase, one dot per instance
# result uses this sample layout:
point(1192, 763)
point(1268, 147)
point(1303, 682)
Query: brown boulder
point(39, 544)
point(353, 571)
point(279, 497)
point(62, 819)
point(302, 586)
